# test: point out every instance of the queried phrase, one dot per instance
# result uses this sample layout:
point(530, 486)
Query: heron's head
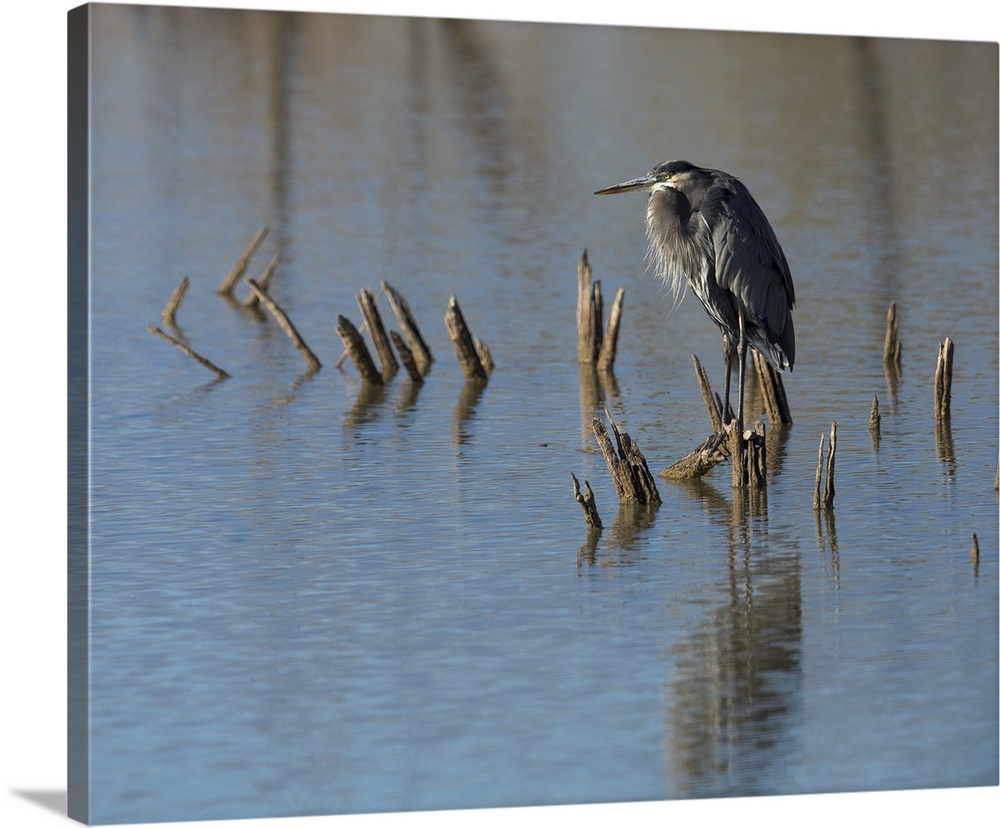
point(677, 175)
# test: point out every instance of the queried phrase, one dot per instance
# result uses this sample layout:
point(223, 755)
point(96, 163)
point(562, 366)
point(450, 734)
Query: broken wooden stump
point(358, 351)
point(748, 450)
point(823, 497)
point(629, 470)
point(772, 389)
point(891, 347)
point(465, 344)
point(587, 503)
point(284, 323)
point(376, 330)
point(875, 423)
point(406, 357)
point(170, 310)
point(942, 380)
point(408, 326)
point(226, 286)
point(185, 349)
point(594, 346)
point(749, 453)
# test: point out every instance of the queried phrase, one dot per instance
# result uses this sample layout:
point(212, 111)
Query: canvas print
point(468, 414)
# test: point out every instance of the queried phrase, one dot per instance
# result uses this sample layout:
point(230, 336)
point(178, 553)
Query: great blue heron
point(704, 226)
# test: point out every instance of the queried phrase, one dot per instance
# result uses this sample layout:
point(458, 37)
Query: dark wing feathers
point(750, 264)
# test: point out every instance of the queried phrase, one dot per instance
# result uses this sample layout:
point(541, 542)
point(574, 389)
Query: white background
point(32, 603)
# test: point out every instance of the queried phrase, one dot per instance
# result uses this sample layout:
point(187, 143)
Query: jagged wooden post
point(421, 353)
point(589, 313)
point(226, 286)
point(465, 344)
point(284, 323)
point(823, 498)
point(593, 347)
point(185, 349)
point(891, 348)
point(875, 423)
point(170, 310)
point(358, 351)
point(587, 503)
point(772, 389)
point(942, 380)
point(376, 330)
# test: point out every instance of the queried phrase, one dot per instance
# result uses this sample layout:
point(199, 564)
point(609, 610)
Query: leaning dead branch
point(354, 343)
point(587, 503)
point(609, 344)
point(714, 411)
point(629, 470)
point(464, 342)
point(226, 286)
point(702, 460)
point(407, 324)
point(380, 339)
point(185, 349)
point(891, 348)
point(942, 380)
point(251, 302)
point(772, 389)
point(406, 357)
point(170, 311)
point(284, 322)
point(823, 498)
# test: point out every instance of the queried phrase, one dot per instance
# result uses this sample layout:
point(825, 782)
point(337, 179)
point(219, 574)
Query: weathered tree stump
point(875, 423)
point(772, 389)
point(284, 323)
point(464, 342)
point(226, 286)
point(358, 351)
point(185, 349)
point(408, 326)
point(823, 498)
point(748, 450)
point(942, 380)
point(376, 330)
point(593, 347)
point(406, 357)
point(892, 349)
point(627, 465)
point(587, 503)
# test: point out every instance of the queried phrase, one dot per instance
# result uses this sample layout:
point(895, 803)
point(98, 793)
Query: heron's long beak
point(644, 183)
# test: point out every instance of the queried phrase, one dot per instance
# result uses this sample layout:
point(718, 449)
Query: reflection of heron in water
point(705, 227)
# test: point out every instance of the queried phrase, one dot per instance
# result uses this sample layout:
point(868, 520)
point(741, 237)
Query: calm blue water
point(308, 598)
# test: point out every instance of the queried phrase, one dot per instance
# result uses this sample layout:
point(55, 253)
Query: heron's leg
point(741, 355)
point(727, 359)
